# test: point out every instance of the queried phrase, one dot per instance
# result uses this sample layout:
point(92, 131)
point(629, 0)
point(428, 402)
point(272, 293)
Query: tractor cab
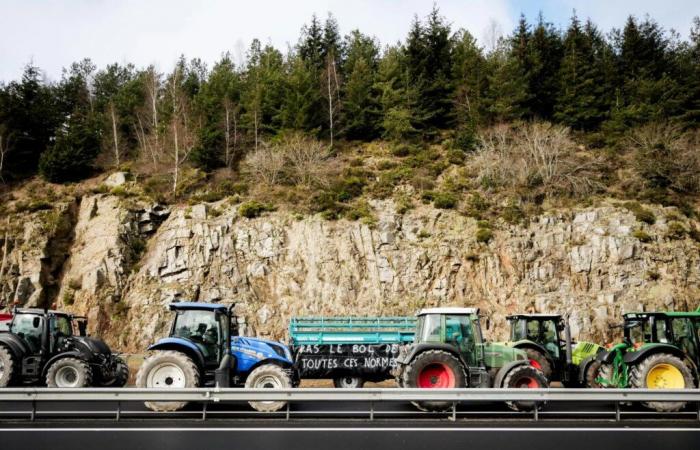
point(542, 329)
point(458, 327)
point(678, 329)
point(204, 326)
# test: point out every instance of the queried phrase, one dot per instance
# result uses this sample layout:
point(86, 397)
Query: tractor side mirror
point(36, 322)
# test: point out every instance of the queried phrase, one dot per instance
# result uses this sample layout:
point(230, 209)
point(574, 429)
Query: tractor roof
point(181, 306)
point(40, 311)
point(634, 315)
point(533, 316)
point(448, 310)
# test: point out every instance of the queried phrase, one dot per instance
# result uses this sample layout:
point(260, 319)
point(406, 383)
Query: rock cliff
point(121, 262)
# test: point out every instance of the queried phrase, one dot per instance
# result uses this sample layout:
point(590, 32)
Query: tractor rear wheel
point(434, 369)
point(348, 382)
point(524, 377)
point(118, 377)
point(268, 376)
point(69, 373)
point(167, 369)
point(7, 367)
point(662, 371)
point(539, 361)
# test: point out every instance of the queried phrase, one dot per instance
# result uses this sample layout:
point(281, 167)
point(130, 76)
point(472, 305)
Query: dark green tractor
point(449, 352)
point(546, 338)
point(660, 350)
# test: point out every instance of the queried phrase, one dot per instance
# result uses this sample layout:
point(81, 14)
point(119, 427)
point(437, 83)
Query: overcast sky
point(53, 34)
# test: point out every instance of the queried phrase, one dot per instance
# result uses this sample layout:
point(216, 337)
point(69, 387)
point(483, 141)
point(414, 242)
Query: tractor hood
point(498, 354)
point(91, 345)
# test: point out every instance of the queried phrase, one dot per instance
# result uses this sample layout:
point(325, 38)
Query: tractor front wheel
point(434, 369)
point(524, 377)
point(590, 377)
point(662, 371)
point(167, 369)
point(69, 373)
point(7, 367)
point(268, 376)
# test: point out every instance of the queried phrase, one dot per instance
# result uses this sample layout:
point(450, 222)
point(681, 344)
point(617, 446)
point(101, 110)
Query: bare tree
point(306, 157)
point(115, 135)
point(267, 163)
point(332, 89)
point(492, 34)
point(230, 131)
point(148, 125)
point(182, 130)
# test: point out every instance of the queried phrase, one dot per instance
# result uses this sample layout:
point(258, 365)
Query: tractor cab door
point(203, 328)
point(60, 328)
point(462, 332)
point(550, 337)
point(685, 337)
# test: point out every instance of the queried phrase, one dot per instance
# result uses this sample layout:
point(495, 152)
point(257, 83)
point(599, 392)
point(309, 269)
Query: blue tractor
point(204, 349)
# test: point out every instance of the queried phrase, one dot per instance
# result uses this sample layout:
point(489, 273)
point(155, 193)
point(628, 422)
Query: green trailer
point(349, 350)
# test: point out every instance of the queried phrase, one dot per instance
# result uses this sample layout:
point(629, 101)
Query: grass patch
point(641, 213)
point(253, 209)
point(642, 235)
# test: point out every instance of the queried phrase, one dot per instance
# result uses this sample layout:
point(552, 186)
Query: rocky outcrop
point(124, 266)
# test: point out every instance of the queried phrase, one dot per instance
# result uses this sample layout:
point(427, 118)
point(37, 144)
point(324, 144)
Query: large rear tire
point(69, 373)
point(539, 361)
point(590, 377)
point(268, 376)
point(348, 382)
point(119, 377)
point(662, 371)
point(524, 377)
point(7, 367)
point(167, 369)
point(434, 369)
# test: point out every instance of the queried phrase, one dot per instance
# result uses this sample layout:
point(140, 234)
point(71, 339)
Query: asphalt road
point(340, 426)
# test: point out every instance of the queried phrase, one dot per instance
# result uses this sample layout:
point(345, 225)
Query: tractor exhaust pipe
point(567, 334)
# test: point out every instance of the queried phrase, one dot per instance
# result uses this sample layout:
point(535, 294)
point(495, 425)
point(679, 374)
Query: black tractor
point(51, 348)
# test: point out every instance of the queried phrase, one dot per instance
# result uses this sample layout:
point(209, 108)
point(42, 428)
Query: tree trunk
point(227, 135)
point(114, 134)
point(177, 155)
point(330, 104)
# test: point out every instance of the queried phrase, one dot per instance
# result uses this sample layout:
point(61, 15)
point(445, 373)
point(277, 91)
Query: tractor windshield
point(638, 331)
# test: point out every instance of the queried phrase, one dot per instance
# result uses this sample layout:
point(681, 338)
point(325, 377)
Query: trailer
point(349, 350)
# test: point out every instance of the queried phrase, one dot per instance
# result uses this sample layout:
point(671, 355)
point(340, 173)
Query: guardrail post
point(698, 406)
point(204, 411)
point(119, 410)
point(287, 413)
point(33, 415)
point(454, 411)
point(371, 410)
point(617, 411)
point(537, 412)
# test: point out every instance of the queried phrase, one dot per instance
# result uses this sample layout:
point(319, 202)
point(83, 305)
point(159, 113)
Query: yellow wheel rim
point(665, 376)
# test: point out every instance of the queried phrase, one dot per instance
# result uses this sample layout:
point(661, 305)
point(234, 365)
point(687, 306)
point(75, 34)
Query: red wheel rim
point(526, 383)
point(535, 364)
point(436, 375)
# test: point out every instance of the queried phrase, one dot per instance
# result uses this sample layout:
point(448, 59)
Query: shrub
point(513, 214)
point(483, 224)
point(676, 230)
point(484, 235)
point(465, 138)
point(444, 200)
point(68, 297)
point(642, 235)
point(641, 213)
point(401, 150)
point(254, 209)
point(422, 234)
point(360, 210)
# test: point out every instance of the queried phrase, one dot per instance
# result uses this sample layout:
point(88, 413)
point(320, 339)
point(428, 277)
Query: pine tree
point(397, 96)
point(360, 112)
point(544, 53)
point(507, 91)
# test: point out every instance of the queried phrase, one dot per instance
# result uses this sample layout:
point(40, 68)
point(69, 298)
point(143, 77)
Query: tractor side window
point(533, 331)
point(551, 337)
point(519, 330)
point(200, 327)
point(23, 326)
point(430, 331)
point(684, 335)
point(661, 331)
point(60, 329)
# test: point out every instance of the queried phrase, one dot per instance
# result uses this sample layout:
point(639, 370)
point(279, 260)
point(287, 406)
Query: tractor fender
point(535, 346)
point(420, 348)
point(182, 346)
point(583, 367)
point(639, 355)
point(503, 371)
point(15, 344)
point(71, 354)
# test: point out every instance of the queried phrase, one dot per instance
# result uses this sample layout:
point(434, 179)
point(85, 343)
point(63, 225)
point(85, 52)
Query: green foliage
point(484, 235)
point(676, 230)
point(33, 206)
point(253, 209)
point(642, 235)
point(71, 157)
point(641, 213)
point(444, 200)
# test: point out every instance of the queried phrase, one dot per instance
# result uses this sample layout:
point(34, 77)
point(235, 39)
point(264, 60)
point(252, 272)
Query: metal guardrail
point(371, 397)
point(352, 395)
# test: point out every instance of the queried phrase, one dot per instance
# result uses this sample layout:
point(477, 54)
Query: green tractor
point(449, 352)
point(660, 350)
point(557, 356)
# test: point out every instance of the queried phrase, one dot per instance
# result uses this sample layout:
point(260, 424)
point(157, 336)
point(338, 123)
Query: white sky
point(53, 34)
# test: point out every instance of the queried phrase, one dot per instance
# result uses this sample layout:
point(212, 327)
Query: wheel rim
point(436, 375)
point(349, 382)
point(534, 363)
point(267, 382)
point(166, 375)
point(526, 383)
point(67, 377)
point(665, 376)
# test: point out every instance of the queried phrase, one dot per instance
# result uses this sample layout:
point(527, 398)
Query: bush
point(401, 150)
point(254, 209)
point(676, 230)
point(484, 235)
point(465, 138)
point(513, 214)
point(641, 213)
point(444, 200)
point(642, 235)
